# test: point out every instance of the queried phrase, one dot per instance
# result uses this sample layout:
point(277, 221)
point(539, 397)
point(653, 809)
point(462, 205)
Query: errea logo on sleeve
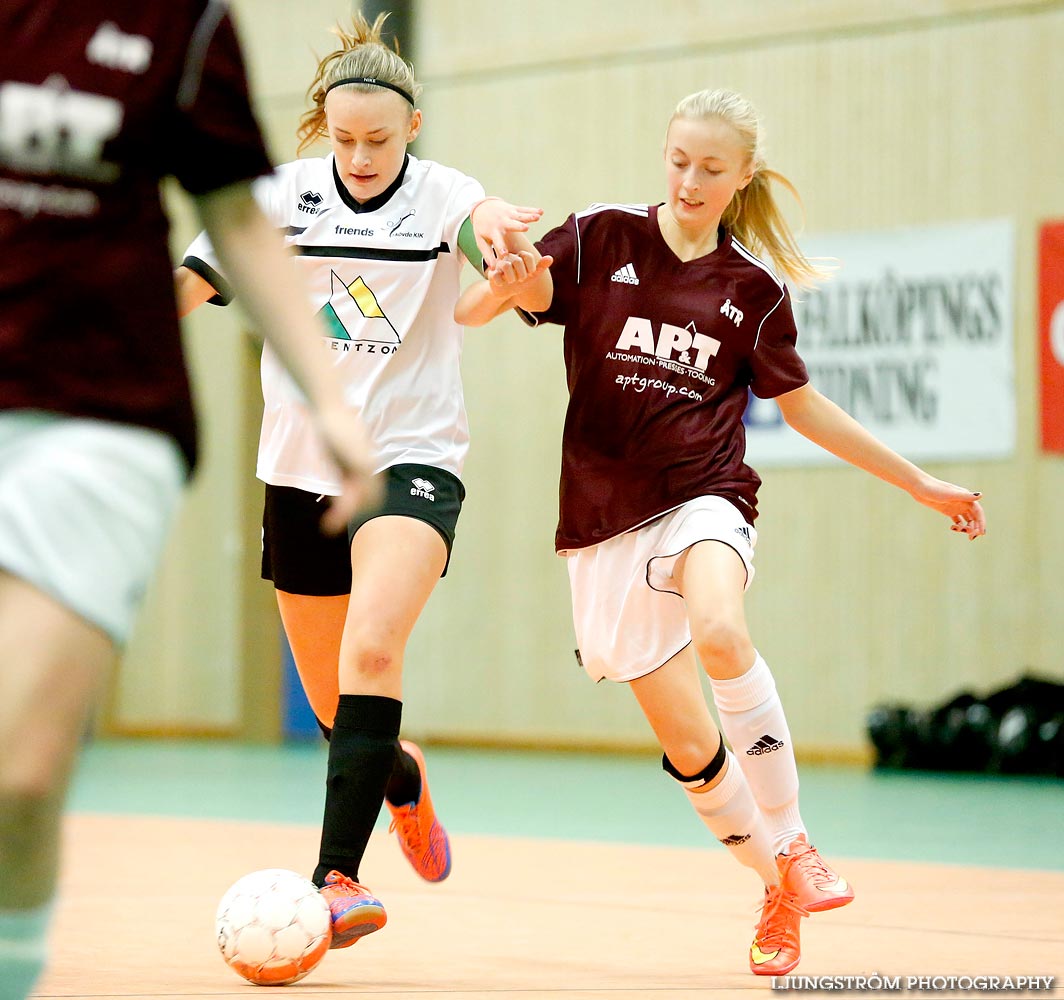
point(422, 488)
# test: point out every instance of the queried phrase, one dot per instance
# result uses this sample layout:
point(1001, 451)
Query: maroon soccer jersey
point(98, 101)
point(659, 354)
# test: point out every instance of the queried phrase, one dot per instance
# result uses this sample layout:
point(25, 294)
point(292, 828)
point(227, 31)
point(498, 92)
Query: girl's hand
point(493, 219)
point(961, 506)
point(345, 438)
point(509, 273)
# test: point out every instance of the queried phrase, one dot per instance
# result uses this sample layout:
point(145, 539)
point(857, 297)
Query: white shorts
point(630, 618)
point(85, 506)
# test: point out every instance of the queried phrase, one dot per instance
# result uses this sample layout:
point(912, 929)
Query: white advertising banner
point(912, 335)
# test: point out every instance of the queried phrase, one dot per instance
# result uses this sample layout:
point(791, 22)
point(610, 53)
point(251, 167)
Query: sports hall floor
point(575, 877)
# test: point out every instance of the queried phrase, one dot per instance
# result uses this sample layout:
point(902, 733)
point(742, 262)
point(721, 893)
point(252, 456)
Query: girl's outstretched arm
point(817, 418)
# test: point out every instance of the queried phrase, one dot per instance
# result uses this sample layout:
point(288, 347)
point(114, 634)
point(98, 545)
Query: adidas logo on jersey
point(114, 49)
point(767, 744)
point(733, 313)
point(744, 531)
point(625, 275)
point(422, 488)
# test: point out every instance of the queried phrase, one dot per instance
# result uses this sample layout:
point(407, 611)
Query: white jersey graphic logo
point(353, 313)
point(626, 275)
point(734, 314)
point(422, 488)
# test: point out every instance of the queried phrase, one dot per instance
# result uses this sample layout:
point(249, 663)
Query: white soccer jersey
point(384, 278)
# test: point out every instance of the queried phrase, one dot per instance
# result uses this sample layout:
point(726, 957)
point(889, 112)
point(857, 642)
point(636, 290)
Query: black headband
point(373, 81)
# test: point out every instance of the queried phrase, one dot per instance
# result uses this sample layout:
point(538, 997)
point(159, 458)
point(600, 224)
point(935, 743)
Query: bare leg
point(395, 563)
point(672, 700)
point(314, 627)
point(52, 665)
point(713, 580)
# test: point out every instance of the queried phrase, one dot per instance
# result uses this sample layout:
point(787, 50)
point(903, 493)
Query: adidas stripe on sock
point(751, 716)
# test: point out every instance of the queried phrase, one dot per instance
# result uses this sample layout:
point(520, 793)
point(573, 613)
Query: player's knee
point(688, 765)
point(721, 642)
point(373, 661)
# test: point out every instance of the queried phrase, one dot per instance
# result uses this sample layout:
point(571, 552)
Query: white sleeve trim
point(188, 88)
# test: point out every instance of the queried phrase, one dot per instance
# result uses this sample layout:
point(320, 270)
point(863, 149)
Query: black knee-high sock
point(362, 753)
point(405, 783)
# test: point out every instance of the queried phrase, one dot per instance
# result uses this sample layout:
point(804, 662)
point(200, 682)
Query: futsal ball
point(273, 927)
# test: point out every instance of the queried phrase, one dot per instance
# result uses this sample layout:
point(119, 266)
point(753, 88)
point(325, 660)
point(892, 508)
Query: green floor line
point(961, 819)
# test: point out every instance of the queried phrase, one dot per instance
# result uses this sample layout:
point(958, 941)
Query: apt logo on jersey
point(50, 128)
point(677, 348)
point(355, 320)
point(309, 201)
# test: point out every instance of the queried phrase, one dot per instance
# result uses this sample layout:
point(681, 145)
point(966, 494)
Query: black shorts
point(300, 559)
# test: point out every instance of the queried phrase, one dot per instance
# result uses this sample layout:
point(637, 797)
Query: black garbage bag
point(1017, 729)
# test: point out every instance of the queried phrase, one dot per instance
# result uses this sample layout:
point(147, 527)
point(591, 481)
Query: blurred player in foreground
point(99, 101)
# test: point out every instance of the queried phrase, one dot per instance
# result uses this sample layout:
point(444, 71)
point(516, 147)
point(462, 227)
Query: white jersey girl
point(380, 237)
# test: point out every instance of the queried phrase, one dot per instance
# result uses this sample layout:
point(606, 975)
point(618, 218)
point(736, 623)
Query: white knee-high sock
point(729, 811)
point(23, 949)
point(751, 716)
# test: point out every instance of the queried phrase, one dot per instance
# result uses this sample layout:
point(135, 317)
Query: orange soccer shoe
point(817, 887)
point(356, 912)
point(422, 838)
point(777, 945)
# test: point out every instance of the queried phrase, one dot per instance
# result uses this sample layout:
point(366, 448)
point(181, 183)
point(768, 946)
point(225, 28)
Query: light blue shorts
point(85, 506)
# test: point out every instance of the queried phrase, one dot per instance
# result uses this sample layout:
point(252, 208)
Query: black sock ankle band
point(706, 775)
point(369, 712)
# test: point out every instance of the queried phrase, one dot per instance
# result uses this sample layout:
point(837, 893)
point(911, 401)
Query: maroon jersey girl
point(671, 317)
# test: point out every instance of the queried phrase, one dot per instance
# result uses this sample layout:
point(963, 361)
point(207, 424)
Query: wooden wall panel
point(883, 114)
point(933, 113)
